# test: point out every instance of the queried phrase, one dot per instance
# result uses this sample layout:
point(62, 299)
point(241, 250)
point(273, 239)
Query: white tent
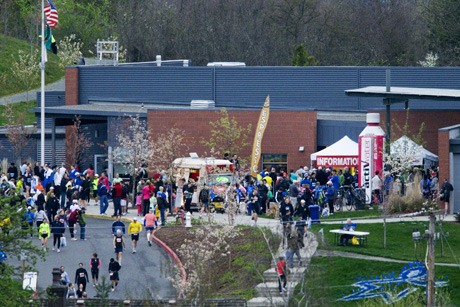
point(342, 153)
point(422, 156)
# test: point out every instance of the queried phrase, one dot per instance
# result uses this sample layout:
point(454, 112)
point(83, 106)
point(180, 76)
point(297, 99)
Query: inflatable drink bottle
point(370, 152)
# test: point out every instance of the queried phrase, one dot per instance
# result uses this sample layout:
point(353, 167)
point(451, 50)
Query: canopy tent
point(422, 156)
point(342, 153)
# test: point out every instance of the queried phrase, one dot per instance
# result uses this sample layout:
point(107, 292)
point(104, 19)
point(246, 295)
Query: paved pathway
point(31, 95)
point(150, 263)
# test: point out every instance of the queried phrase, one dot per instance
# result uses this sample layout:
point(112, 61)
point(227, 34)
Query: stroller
point(218, 204)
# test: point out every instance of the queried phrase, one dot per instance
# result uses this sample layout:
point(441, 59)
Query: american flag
point(51, 14)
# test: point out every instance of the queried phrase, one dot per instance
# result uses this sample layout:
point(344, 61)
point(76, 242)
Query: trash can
point(314, 214)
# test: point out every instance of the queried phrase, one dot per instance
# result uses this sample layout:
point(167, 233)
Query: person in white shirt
point(376, 184)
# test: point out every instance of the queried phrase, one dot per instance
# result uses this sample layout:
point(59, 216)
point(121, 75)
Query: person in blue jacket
point(28, 220)
point(330, 195)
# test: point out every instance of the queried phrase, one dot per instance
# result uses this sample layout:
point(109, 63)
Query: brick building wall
point(285, 133)
point(433, 120)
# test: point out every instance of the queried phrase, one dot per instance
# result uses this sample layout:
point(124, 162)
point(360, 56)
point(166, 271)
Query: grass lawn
point(9, 48)
point(358, 214)
point(330, 278)
point(399, 241)
point(343, 215)
point(21, 108)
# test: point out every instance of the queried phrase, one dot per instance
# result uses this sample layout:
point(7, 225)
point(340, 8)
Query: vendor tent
point(421, 156)
point(340, 154)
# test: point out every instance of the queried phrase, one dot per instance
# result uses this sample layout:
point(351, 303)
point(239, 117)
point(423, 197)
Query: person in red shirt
point(281, 269)
point(117, 191)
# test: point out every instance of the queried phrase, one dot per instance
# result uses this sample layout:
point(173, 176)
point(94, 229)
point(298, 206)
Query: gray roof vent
point(202, 104)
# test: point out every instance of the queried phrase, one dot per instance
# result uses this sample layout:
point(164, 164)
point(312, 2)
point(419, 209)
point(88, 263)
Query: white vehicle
point(204, 170)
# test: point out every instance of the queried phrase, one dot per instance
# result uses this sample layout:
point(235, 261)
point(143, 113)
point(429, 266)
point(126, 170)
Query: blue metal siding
point(246, 87)
point(330, 131)
point(288, 87)
point(52, 99)
point(154, 84)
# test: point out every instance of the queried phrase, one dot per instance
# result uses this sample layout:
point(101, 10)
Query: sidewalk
point(222, 218)
point(32, 94)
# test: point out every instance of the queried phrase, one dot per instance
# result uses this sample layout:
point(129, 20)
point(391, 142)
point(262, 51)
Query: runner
point(95, 265)
point(134, 229)
point(119, 245)
point(114, 267)
point(57, 228)
point(150, 220)
point(44, 233)
point(81, 276)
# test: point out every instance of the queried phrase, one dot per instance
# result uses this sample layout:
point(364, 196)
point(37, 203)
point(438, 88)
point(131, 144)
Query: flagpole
point(42, 96)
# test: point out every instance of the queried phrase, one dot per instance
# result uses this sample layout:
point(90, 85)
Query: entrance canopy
point(340, 154)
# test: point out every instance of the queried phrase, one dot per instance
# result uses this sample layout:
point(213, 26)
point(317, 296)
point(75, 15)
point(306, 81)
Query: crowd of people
point(57, 199)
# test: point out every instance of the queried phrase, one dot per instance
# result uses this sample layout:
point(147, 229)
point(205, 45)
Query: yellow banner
point(257, 146)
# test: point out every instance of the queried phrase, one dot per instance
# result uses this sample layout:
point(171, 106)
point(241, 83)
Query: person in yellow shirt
point(134, 229)
point(44, 233)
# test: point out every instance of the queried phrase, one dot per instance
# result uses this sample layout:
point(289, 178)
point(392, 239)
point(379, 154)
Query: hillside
point(9, 48)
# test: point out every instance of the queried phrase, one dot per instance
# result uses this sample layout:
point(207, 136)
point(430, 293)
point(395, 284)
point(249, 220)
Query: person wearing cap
point(73, 218)
point(134, 229)
point(150, 221)
point(52, 206)
point(330, 195)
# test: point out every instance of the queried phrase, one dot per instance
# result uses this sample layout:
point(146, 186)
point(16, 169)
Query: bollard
point(57, 290)
point(188, 219)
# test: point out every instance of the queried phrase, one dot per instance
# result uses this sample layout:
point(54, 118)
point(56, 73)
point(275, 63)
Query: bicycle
point(344, 199)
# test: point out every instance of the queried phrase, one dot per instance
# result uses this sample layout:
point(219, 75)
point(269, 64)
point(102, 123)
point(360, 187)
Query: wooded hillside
point(258, 32)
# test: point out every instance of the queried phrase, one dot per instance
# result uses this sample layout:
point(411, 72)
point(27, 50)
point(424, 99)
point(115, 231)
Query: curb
point(173, 255)
point(107, 217)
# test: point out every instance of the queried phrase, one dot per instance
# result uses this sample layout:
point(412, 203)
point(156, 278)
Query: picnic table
point(360, 235)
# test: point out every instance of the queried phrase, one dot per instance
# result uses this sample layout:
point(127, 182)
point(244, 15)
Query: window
point(274, 160)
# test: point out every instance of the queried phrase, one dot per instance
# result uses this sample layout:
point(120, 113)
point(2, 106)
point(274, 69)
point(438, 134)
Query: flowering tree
point(167, 147)
point(198, 255)
point(228, 136)
point(134, 148)
point(69, 50)
point(24, 68)
point(18, 134)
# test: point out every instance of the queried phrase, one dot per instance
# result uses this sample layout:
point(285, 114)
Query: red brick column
point(444, 156)
point(71, 86)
